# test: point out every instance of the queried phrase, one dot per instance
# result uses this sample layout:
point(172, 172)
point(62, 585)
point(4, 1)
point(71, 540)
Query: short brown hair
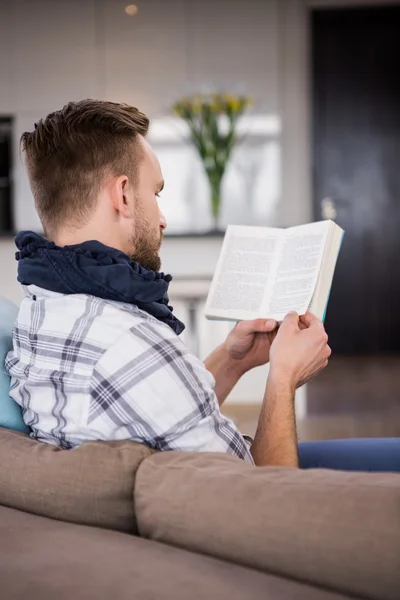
point(69, 153)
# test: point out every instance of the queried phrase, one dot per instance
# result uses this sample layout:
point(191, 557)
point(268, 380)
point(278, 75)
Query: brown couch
point(73, 525)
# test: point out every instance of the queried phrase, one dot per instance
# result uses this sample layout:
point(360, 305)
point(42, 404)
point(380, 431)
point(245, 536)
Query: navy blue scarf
point(94, 269)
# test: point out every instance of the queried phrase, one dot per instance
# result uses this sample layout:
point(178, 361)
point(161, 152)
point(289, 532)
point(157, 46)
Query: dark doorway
point(5, 175)
point(356, 162)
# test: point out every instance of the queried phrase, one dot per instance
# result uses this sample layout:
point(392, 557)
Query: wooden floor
point(353, 397)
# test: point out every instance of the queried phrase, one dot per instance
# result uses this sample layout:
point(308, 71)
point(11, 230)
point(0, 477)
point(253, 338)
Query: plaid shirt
point(83, 368)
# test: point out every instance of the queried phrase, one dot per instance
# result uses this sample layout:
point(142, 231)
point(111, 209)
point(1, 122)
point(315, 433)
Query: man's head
point(94, 176)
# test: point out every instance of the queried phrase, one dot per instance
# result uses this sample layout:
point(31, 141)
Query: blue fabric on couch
point(10, 411)
point(371, 454)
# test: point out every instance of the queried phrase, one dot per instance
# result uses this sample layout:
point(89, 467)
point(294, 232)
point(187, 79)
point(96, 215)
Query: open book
point(264, 272)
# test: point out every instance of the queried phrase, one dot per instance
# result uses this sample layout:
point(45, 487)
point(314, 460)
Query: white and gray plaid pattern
point(85, 369)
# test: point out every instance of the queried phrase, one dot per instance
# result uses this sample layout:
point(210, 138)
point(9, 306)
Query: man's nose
point(163, 222)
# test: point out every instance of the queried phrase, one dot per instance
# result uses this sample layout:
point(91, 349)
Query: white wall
point(62, 50)
point(52, 51)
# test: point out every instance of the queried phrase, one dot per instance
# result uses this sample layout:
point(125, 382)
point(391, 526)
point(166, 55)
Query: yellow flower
point(216, 103)
point(235, 104)
point(196, 107)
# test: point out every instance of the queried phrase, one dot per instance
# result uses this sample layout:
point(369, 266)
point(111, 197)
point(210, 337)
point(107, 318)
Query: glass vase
point(215, 180)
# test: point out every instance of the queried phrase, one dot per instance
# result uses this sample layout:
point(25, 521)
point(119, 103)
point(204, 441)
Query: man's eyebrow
point(160, 186)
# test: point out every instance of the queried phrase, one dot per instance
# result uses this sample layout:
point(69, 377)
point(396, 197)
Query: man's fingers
point(309, 319)
point(257, 326)
point(291, 320)
point(270, 325)
point(315, 324)
point(304, 320)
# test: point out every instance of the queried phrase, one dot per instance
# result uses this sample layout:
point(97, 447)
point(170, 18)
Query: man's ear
point(120, 193)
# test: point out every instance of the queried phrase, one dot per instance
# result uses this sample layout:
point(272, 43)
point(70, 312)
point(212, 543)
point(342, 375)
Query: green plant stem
point(215, 179)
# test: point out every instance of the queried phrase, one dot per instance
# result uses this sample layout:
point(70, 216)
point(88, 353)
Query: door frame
point(295, 95)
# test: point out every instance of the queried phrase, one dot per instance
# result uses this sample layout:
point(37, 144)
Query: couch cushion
point(92, 484)
point(338, 530)
point(10, 411)
point(42, 559)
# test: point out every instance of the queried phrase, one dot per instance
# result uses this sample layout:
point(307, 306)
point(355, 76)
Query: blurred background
point(321, 139)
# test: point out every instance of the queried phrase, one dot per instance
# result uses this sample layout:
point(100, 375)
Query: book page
point(243, 270)
point(297, 269)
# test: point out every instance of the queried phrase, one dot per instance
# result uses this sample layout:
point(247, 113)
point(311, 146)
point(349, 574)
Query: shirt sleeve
point(149, 388)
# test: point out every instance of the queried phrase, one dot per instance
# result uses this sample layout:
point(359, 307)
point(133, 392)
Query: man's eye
point(158, 195)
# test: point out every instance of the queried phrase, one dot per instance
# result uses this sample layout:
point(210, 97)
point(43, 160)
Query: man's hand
point(249, 343)
point(300, 350)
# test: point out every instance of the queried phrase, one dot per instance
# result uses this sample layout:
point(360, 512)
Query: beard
point(146, 243)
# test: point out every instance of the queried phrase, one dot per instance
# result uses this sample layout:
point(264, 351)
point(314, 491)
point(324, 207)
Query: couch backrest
point(338, 530)
point(92, 484)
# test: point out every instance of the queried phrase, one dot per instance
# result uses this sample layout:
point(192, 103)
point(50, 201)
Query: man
point(96, 353)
